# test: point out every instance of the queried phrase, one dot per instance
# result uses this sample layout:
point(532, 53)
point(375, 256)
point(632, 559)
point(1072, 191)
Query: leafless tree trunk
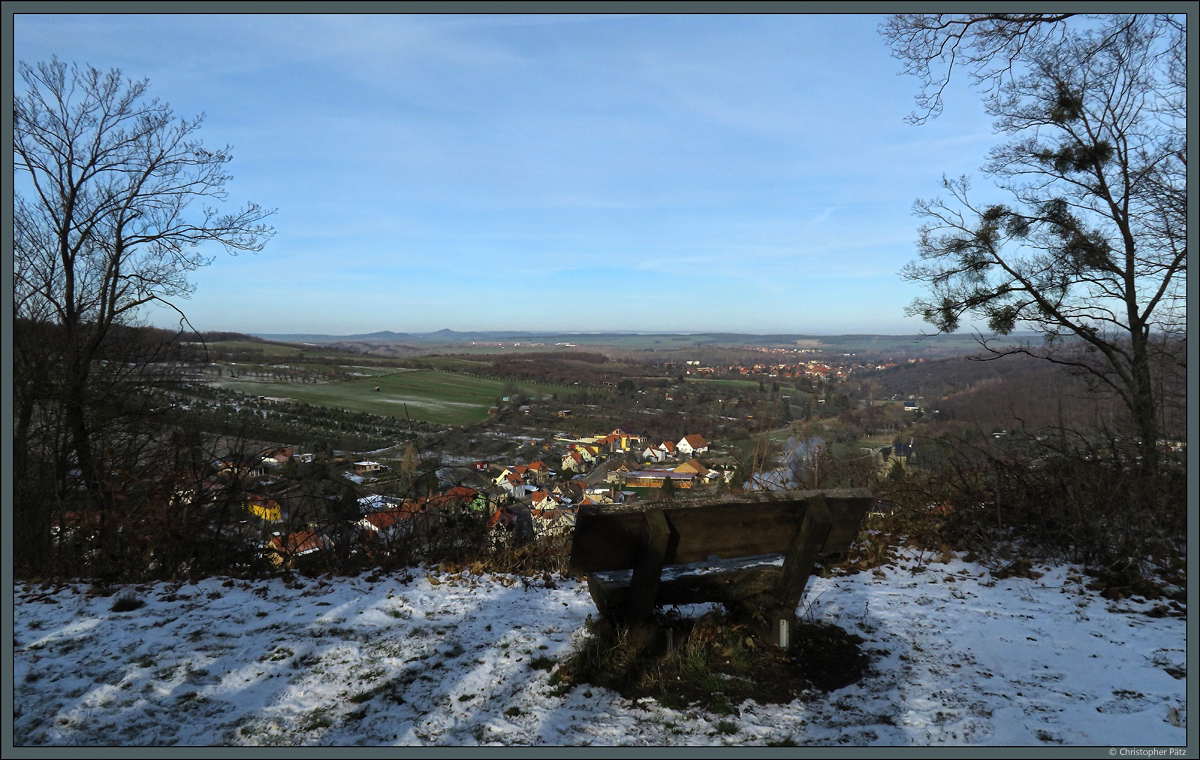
point(104, 180)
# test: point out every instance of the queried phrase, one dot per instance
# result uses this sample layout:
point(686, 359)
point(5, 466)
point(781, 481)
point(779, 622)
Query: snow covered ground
point(960, 658)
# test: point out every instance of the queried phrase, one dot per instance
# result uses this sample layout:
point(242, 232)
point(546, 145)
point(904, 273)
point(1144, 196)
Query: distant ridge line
point(453, 336)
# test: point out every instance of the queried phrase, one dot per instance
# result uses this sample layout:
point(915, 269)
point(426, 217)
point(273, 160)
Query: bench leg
point(647, 572)
point(798, 565)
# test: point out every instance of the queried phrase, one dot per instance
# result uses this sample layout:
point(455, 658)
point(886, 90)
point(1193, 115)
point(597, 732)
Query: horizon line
point(496, 331)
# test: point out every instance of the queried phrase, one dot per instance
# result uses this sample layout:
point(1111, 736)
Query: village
point(517, 502)
point(824, 368)
point(336, 483)
point(523, 474)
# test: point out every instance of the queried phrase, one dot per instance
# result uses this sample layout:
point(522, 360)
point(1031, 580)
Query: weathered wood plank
point(647, 569)
point(608, 598)
point(802, 554)
point(609, 541)
point(606, 539)
point(846, 516)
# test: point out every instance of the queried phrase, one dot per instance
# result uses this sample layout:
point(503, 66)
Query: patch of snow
point(431, 658)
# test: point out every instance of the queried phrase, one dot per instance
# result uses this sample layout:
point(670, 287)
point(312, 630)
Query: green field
point(752, 384)
point(430, 395)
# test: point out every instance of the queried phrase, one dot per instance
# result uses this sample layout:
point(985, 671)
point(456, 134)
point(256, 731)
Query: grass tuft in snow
point(127, 602)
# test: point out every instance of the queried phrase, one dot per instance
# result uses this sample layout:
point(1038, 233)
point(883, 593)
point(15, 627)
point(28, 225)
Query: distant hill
point(386, 335)
point(913, 344)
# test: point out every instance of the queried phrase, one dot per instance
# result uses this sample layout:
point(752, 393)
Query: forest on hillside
point(1020, 392)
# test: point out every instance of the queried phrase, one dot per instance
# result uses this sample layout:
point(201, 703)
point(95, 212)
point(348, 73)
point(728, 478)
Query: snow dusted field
point(959, 657)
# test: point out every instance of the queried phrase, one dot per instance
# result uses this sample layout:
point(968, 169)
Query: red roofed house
point(285, 549)
point(557, 520)
point(654, 454)
point(452, 497)
point(512, 483)
point(276, 457)
point(692, 444)
point(387, 524)
point(573, 460)
point(263, 507)
point(589, 453)
point(539, 472)
point(625, 439)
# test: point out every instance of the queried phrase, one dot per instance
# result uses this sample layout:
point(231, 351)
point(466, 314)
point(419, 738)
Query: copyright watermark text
point(1146, 752)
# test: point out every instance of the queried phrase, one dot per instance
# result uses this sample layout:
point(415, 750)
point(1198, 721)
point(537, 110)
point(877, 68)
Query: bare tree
point(107, 182)
point(1091, 243)
point(932, 46)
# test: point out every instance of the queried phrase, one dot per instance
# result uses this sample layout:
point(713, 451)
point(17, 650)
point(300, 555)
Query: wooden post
point(647, 571)
point(797, 567)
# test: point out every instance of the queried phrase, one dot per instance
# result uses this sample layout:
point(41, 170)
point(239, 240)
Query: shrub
point(1054, 495)
point(127, 602)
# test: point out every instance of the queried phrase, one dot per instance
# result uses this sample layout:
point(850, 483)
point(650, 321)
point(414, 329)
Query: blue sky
point(747, 173)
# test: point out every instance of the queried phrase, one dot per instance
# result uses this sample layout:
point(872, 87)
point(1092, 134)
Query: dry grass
point(716, 662)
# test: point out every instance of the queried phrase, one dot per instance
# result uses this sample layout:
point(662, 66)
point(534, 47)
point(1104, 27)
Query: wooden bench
point(753, 554)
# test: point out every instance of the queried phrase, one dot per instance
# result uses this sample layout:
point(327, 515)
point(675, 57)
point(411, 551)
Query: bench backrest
point(728, 527)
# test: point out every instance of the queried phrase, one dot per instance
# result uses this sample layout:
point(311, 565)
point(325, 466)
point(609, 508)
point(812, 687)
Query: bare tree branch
point(1093, 246)
point(109, 217)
